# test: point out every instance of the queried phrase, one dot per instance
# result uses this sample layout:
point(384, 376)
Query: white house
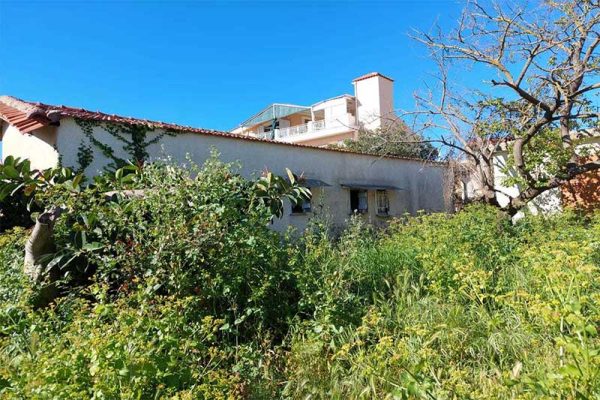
point(328, 121)
point(582, 192)
point(342, 182)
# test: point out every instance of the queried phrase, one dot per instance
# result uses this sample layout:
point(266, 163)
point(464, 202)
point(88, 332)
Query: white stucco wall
point(333, 109)
point(422, 184)
point(375, 101)
point(37, 146)
point(547, 202)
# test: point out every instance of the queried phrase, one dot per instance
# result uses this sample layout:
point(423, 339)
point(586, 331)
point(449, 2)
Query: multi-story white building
point(328, 121)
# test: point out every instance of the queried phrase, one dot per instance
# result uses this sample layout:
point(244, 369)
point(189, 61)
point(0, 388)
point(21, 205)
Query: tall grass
point(464, 306)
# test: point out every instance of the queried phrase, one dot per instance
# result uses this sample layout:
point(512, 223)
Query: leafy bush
point(175, 287)
point(18, 186)
point(132, 348)
point(463, 306)
point(167, 272)
point(185, 232)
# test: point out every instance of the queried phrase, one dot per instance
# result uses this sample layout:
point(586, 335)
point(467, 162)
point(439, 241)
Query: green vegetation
point(183, 292)
point(395, 139)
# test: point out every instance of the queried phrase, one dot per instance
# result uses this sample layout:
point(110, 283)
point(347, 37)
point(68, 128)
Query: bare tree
point(545, 68)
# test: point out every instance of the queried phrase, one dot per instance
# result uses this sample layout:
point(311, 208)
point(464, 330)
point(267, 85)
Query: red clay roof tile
point(370, 75)
point(17, 108)
point(19, 119)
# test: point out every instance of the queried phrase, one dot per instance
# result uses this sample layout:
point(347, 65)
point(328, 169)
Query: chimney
point(374, 95)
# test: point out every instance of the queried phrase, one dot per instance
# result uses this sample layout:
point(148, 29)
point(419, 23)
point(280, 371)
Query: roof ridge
point(7, 112)
point(371, 75)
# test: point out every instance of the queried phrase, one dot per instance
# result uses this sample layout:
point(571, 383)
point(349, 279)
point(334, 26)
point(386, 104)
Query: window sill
point(383, 215)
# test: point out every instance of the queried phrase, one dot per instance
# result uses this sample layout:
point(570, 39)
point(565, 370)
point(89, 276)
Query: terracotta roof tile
point(370, 75)
point(12, 108)
point(20, 119)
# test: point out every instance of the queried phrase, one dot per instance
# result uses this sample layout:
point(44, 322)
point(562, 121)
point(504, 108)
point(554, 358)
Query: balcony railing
point(310, 127)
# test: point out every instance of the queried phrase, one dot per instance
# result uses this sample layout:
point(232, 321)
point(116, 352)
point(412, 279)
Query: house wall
point(582, 192)
point(386, 101)
point(375, 100)
point(547, 202)
point(37, 146)
point(314, 140)
point(297, 119)
point(333, 109)
point(422, 184)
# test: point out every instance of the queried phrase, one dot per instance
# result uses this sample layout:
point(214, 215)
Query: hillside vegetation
point(185, 293)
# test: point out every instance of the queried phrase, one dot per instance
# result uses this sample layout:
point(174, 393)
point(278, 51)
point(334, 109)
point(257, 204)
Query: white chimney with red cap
point(374, 95)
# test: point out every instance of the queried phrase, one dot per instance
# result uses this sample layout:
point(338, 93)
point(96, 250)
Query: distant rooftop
point(371, 75)
point(273, 111)
point(28, 116)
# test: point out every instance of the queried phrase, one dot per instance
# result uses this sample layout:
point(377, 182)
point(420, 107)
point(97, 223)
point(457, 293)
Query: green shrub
point(184, 292)
point(192, 232)
point(19, 185)
point(463, 306)
point(131, 348)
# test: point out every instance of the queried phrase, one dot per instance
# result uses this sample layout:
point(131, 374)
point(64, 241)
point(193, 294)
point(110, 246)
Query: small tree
point(393, 139)
point(544, 65)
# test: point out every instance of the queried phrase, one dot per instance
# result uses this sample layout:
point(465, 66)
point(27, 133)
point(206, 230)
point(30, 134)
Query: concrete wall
point(37, 146)
point(546, 203)
point(375, 101)
point(318, 139)
point(421, 184)
point(333, 109)
point(581, 192)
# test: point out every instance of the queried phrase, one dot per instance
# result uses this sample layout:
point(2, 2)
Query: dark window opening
point(301, 207)
point(358, 201)
point(383, 202)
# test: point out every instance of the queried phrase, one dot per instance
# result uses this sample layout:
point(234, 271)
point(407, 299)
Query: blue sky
point(210, 64)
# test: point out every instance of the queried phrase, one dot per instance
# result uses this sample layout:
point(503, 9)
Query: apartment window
point(358, 201)
point(301, 207)
point(306, 120)
point(383, 202)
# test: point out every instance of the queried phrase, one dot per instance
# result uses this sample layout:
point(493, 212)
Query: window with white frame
point(383, 202)
point(358, 201)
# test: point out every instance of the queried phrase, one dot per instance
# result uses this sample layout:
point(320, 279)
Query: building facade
point(582, 192)
point(342, 182)
point(328, 121)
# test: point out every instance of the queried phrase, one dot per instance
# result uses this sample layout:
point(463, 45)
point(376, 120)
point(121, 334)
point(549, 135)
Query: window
point(383, 202)
point(301, 207)
point(358, 201)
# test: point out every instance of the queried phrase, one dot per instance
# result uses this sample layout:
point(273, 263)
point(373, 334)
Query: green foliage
point(464, 306)
point(175, 287)
point(201, 232)
point(395, 140)
point(85, 156)
point(132, 348)
point(545, 158)
point(133, 138)
point(19, 186)
point(12, 281)
point(168, 288)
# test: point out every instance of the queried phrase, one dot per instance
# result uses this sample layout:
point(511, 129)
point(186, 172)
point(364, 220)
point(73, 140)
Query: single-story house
point(342, 181)
point(582, 192)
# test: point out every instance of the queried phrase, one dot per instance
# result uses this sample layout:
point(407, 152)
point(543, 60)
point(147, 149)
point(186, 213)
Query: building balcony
point(312, 130)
